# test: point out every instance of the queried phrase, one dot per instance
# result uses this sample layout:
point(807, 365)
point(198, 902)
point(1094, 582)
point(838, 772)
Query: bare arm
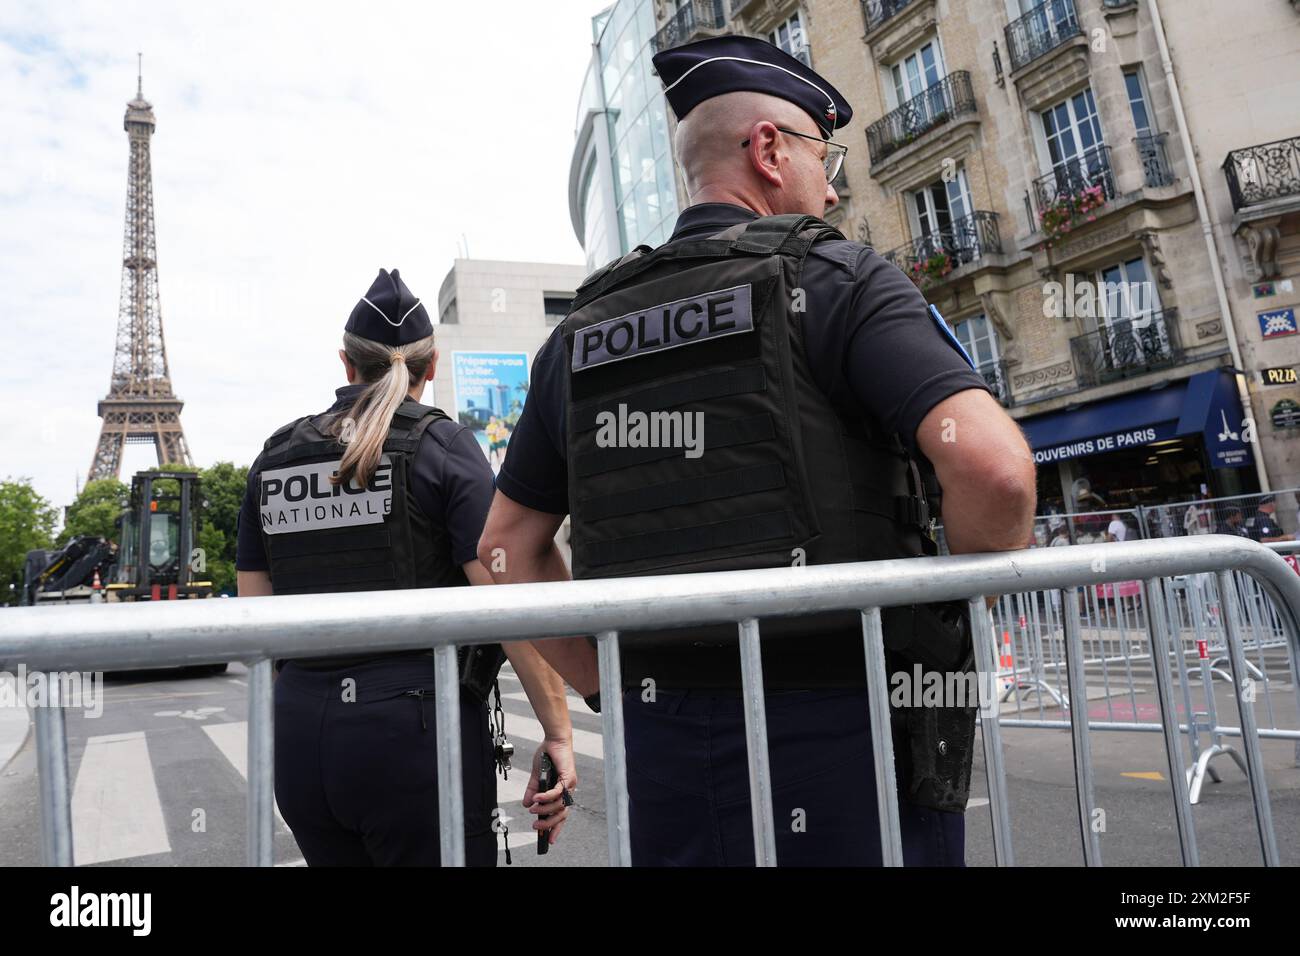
point(253, 583)
point(518, 545)
point(985, 469)
point(543, 686)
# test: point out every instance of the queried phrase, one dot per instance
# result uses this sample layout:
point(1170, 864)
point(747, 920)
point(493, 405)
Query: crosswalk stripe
point(116, 812)
point(585, 742)
point(232, 740)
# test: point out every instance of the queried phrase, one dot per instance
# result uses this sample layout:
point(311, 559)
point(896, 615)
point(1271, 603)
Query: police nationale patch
point(667, 326)
point(301, 498)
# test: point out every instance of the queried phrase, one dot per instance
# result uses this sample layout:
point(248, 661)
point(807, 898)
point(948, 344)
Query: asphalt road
point(159, 778)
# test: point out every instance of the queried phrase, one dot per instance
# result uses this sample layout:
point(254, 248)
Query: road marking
point(116, 813)
point(202, 713)
point(1143, 774)
point(977, 802)
point(232, 740)
point(233, 680)
point(585, 742)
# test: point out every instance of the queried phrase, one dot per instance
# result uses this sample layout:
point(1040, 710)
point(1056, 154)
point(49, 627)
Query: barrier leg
point(1153, 597)
point(52, 769)
point(1083, 780)
point(611, 726)
point(760, 770)
point(451, 793)
point(986, 663)
point(1249, 727)
point(882, 738)
point(261, 765)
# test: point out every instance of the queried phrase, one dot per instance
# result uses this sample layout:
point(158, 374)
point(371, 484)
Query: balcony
point(1069, 190)
point(1040, 31)
point(995, 376)
point(1127, 347)
point(1260, 174)
point(929, 260)
point(876, 12)
point(928, 110)
point(694, 21)
point(1156, 170)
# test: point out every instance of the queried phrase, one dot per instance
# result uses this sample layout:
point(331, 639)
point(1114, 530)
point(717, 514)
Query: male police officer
point(826, 389)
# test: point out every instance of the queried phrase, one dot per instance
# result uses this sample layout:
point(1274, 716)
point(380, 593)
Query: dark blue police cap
point(727, 64)
point(389, 313)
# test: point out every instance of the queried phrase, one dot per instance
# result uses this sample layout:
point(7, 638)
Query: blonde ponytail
point(389, 373)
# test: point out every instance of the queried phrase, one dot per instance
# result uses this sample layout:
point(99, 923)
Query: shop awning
point(1206, 403)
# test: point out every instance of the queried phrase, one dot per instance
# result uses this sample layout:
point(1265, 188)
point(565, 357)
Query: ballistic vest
point(321, 537)
point(701, 341)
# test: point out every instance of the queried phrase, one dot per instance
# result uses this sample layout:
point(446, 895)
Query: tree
point(27, 522)
point(96, 510)
point(222, 487)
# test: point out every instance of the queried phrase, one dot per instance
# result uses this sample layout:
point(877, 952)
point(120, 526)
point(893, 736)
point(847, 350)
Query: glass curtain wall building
point(622, 187)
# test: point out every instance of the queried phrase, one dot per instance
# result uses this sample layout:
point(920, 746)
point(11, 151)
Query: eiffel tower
point(140, 406)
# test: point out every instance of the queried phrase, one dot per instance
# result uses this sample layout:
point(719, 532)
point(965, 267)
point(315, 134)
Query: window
point(789, 36)
point(980, 341)
point(916, 73)
point(978, 338)
point(556, 306)
point(1072, 129)
point(1137, 102)
point(940, 213)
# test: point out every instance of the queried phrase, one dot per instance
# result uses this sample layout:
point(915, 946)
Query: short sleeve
point(535, 471)
point(452, 481)
point(899, 361)
point(250, 550)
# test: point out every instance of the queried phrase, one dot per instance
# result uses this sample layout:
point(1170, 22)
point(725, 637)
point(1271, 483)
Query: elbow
point(1016, 489)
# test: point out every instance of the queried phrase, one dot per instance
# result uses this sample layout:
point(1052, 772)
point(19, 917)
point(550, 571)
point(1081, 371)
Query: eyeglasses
point(835, 152)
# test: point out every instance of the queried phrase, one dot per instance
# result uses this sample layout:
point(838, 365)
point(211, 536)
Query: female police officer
point(381, 492)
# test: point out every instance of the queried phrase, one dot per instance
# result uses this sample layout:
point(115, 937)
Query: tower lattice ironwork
point(140, 407)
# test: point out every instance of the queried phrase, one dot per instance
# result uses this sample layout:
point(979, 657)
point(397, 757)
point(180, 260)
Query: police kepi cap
point(699, 71)
point(389, 313)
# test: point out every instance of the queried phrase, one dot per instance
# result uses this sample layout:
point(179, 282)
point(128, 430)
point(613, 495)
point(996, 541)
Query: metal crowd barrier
point(258, 630)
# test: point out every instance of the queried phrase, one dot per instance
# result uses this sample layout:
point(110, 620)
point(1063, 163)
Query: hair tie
point(396, 357)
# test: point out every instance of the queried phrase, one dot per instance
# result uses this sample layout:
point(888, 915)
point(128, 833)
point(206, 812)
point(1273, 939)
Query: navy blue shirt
point(871, 344)
point(450, 478)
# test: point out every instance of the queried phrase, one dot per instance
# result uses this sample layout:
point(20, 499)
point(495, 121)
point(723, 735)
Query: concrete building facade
point(1103, 199)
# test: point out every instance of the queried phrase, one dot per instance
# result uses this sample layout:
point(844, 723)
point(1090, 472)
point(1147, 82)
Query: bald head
point(770, 173)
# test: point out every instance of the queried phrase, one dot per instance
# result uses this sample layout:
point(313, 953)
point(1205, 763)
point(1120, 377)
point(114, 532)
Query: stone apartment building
point(1101, 196)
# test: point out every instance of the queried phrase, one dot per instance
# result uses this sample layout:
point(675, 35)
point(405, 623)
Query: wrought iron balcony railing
point(1257, 174)
point(995, 376)
point(930, 108)
point(1127, 347)
point(1155, 162)
point(1042, 29)
point(687, 22)
point(1065, 184)
point(929, 259)
point(876, 12)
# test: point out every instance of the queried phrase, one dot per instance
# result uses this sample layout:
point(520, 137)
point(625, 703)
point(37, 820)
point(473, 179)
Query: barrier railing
point(258, 630)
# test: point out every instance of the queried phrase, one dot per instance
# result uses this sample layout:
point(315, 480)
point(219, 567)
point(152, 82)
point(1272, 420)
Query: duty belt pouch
point(933, 739)
point(479, 665)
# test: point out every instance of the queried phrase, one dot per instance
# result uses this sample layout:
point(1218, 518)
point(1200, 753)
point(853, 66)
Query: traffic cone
point(96, 589)
point(1006, 664)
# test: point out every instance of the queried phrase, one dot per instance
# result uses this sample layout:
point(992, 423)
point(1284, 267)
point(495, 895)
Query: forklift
point(156, 540)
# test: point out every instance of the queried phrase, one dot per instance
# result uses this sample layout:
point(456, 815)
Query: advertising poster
point(490, 388)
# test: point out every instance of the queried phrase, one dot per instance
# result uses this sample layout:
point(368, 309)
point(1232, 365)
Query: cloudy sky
point(300, 146)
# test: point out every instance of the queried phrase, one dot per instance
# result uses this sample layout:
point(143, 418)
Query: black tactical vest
point(710, 331)
point(321, 537)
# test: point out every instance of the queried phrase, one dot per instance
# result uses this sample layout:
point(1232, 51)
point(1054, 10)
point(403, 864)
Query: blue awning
point(1206, 403)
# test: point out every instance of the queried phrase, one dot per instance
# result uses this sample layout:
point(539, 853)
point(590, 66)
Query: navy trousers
point(688, 784)
point(357, 780)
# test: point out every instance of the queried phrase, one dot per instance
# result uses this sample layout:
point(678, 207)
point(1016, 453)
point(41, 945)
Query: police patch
point(301, 498)
point(667, 326)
